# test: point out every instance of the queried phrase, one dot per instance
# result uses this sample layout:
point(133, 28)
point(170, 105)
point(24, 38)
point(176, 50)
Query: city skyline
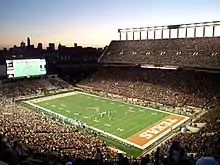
point(93, 23)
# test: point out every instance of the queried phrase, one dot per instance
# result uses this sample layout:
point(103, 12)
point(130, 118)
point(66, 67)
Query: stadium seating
point(168, 87)
point(190, 52)
point(47, 140)
point(37, 134)
point(27, 87)
point(172, 88)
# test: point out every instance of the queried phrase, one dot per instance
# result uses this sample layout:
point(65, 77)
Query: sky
point(93, 22)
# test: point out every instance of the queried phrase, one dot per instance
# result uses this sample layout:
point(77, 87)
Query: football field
point(132, 124)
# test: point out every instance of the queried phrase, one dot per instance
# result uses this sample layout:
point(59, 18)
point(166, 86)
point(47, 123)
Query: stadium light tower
point(212, 24)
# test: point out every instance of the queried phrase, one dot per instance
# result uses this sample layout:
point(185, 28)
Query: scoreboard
point(25, 67)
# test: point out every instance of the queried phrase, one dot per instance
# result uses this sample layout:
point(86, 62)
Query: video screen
point(25, 67)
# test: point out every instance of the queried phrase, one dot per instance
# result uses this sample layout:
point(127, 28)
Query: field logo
point(156, 131)
point(148, 134)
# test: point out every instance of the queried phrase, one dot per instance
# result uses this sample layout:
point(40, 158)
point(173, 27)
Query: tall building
point(39, 46)
point(22, 45)
point(28, 42)
point(51, 46)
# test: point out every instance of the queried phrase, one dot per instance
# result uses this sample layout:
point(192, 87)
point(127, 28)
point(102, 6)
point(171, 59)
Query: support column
point(147, 34)
point(178, 33)
point(140, 35)
point(186, 35)
point(133, 35)
point(169, 33)
point(126, 35)
point(213, 31)
point(162, 34)
point(194, 32)
point(204, 31)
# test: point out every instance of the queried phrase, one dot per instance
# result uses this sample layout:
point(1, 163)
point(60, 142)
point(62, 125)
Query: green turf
point(85, 107)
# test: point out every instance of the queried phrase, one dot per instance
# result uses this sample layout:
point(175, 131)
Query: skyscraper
point(39, 46)
point(28, 42)
point(22, 45)
point(51, 46)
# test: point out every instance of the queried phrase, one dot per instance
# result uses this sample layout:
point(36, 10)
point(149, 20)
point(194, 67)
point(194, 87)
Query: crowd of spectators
point(37, 134)
point(31, 87)
point(170, 88)
point(25, 132)
point(192, 52)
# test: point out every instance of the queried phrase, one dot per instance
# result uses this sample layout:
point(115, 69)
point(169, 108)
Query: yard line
point(134, 105)
point(119, 129)
point(108, 125)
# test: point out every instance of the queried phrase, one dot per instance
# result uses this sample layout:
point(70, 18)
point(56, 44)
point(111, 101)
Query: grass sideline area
point(113, 117)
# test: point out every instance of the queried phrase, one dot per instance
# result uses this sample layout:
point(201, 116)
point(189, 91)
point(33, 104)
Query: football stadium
point(134, 102)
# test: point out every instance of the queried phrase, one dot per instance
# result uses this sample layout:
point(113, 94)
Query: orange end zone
point(156, 130)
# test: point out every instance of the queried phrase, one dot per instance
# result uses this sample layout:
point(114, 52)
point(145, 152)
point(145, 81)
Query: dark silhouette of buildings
point(39, 46)
point(22, 45)
point(51, 46)
point(28, 42)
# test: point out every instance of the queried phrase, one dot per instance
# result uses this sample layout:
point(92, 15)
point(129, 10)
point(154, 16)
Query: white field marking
point(53, 97)
point(103, 101)
point(60, 108)
point(88, 97)
point(131, 108)
point(76, 114)
point(46, 103)
point(121, 105)
point(95, 99)
point(92, 107)
point(62, 105)
point(107, 125)
point(134, 105)
point(96, 121)
point(153, 113)
point(53, 105)
point(68, 111)
point(85, 117)
point(141, 110)
point(165, 132)
point(119, 129)
point(112, 103)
